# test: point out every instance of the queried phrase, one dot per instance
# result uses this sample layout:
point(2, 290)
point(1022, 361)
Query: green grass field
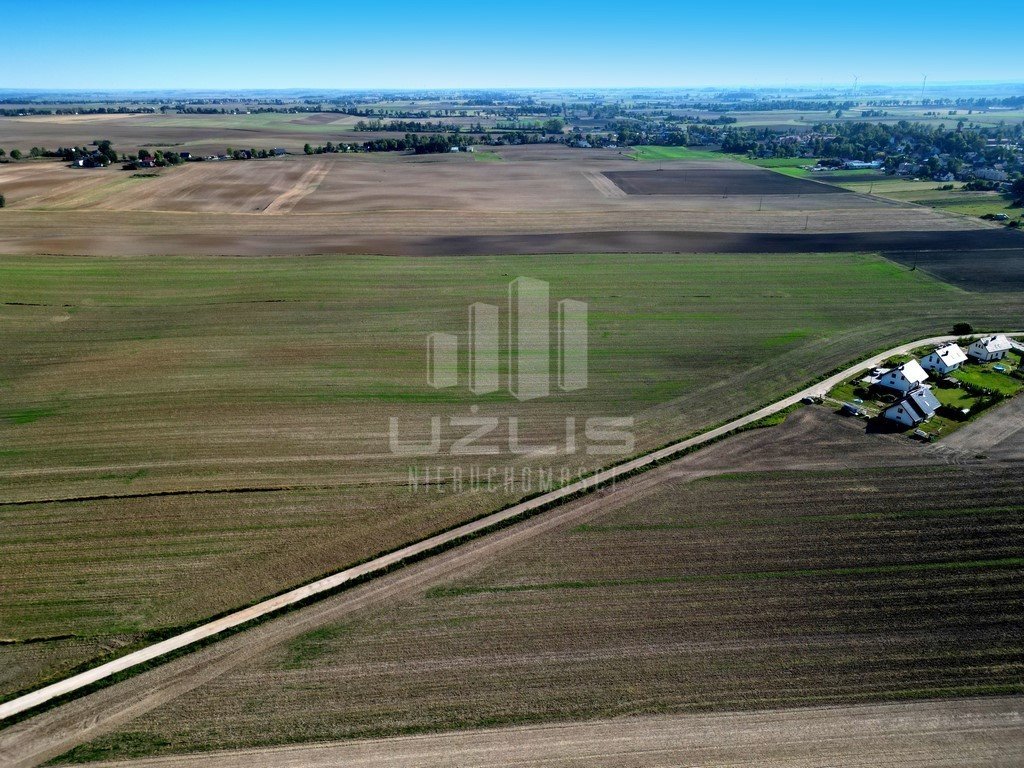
point(787, 165)
point(987, 376)
point(930, 193)
point(262, 390)
point(677, 153)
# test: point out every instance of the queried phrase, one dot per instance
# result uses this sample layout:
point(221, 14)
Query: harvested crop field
point(938, 734)
point(859, 569)
point(1000, 438)
point(228, 419)
point(413, 205)
point(722, 180)
point(227, 187)
point(204, 134)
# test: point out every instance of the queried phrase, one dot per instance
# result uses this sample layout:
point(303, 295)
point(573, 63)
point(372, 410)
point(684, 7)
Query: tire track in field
point(306, 185)
point(604, 185)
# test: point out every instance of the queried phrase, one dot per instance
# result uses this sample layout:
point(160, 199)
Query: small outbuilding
point(989, 348)
point(903, 378)
point(918, 406)
point(944, 359)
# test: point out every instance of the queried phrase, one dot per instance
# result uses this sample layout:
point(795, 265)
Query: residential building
point(944, 359)
point(989, 174)
point(918, 406)
point(903, 378)
point(989, 348)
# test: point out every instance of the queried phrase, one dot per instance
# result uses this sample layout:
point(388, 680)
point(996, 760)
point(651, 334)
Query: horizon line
point(368, 88)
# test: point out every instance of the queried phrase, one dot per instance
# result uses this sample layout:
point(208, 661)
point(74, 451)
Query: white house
point(989, 348)
point(944, 359)
point(919, 405)
point(905, 377)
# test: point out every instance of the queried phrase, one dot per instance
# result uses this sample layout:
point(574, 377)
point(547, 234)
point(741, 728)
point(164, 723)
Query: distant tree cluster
point(329, 148)
point(1017, 190)
point(412, 126)
point(25, 112)
point(146, 159)
point(420, 145)
point(249, 154)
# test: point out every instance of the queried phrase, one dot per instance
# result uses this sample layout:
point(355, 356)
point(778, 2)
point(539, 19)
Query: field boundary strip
point(417, 550)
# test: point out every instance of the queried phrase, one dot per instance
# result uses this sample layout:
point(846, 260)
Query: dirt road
point(966, 732)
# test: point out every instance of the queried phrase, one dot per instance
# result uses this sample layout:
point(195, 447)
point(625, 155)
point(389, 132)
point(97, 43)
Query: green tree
point(1018, 188)
point(2, 153)
point(15, 154)
point(107, 150)
point(3, 200)
point(308, 149)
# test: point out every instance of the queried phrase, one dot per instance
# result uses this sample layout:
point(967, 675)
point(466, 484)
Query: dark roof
point(921, 403)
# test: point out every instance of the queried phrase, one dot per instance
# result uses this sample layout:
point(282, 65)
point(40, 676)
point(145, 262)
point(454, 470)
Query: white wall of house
point(943, 363)
point(904, 378)
point(901, 415)
point(990, 348)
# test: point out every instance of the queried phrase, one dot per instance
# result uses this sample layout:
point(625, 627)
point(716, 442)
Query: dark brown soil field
point(725, 182)
point(984, 264)
point(858, 568)
point(975, 269)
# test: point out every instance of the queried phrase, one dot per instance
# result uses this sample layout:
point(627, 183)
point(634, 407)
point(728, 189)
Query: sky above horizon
point(225, 45)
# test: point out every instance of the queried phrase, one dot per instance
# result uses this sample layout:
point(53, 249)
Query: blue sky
point(317, 44)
